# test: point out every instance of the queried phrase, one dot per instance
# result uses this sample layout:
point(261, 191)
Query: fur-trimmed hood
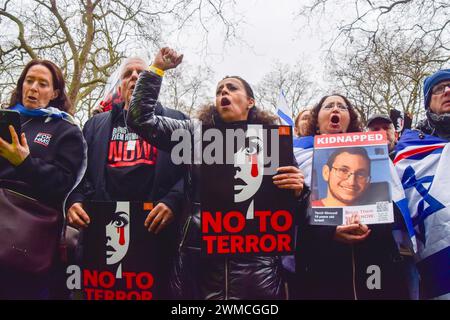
point(209, 116)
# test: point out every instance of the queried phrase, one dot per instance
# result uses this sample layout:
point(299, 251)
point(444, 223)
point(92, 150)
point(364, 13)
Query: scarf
point(49, 112)
point(439, 125)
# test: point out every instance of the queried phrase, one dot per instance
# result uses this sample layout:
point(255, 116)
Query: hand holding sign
point(159, 218)
point(352, 233)
point(290, 177)
point(77, 217)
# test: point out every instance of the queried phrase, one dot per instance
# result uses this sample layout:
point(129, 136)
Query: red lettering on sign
point(213, 221)
point(236, 216)
point(230, 244)
point(287, 221)
point(262, 215)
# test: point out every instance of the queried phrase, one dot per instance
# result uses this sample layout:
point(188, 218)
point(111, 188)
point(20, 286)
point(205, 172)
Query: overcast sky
point(271, 32)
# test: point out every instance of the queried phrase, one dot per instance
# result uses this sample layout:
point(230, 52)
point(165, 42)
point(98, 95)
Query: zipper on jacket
point(354, 273)
point(185, 231)
point(21, 194)
point(226, 278)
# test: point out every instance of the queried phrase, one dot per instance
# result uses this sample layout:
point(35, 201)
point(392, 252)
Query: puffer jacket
point(197, 276)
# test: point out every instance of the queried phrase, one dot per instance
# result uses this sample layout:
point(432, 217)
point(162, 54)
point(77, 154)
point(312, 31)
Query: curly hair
point(208, 115)
point(355, 124)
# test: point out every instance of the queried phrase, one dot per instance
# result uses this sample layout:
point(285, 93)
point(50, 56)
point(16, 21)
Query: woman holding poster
point(351, 261)
point(200, 276)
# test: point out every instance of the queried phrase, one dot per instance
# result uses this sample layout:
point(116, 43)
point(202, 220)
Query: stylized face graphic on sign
point(249, 164)
point(118, 233)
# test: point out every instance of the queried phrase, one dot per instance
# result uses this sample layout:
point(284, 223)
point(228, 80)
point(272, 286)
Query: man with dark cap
point(382, 122)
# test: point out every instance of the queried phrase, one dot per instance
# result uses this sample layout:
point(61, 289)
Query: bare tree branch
point(387, 74)
point(21, 36)
point(295, 83)
point(89, 38)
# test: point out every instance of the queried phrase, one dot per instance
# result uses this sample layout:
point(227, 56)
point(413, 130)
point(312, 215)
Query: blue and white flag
point(284, 111)
point(303, 152)
point(303, 146)
point(422, 164)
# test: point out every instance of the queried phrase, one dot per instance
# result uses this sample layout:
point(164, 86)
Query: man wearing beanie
point(436, 90)
point(422, 162)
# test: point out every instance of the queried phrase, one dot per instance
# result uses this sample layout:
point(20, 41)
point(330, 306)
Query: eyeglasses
point(440, 88)
point(344, 173)
point(341, 107)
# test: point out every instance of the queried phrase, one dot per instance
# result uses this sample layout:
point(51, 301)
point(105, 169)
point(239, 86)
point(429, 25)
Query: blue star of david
point(409, 180)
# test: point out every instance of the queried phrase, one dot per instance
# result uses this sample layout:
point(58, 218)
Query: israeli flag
point(422, 167)
point(303, 146)
point(284, 111)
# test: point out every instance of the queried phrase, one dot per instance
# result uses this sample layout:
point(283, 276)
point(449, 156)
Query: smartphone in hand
point(7, 118)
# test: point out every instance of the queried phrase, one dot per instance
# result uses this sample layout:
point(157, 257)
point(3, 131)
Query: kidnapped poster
point(351, 179)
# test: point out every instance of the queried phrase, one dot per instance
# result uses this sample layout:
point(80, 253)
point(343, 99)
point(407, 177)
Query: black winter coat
point(328, 269)
point(56, 156)
point(197, 276)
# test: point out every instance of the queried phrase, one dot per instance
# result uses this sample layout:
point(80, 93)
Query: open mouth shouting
point(225, 102)
point(335, 122)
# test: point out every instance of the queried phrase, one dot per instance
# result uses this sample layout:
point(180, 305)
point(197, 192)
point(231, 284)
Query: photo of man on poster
point(347, 174)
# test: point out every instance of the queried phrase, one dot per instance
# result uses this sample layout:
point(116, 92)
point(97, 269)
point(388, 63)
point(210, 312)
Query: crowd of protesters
point(58, 165)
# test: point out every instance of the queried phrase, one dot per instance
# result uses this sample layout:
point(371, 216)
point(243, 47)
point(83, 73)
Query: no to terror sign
point(243, 212)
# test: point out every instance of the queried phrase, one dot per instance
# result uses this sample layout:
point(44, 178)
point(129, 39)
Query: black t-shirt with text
point(130, 167)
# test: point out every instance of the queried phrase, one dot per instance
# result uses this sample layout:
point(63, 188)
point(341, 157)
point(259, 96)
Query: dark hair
point(355, 124)
point(208, 113)
point(359, 151)
point(248, 88)
point(61, 102)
